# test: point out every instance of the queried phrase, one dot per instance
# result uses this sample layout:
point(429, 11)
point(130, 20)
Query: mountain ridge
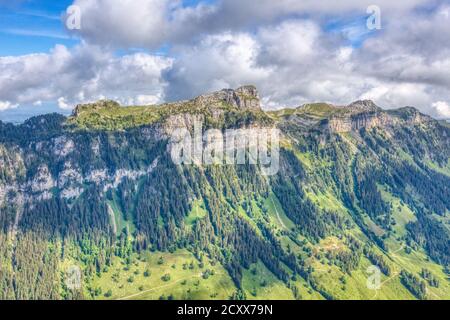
point(357, 187)
point(245, 98)
point(356, 115)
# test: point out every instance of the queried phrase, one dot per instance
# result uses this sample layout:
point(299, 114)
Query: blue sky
point(146, 52)
point(21, 25)
point(37, 26)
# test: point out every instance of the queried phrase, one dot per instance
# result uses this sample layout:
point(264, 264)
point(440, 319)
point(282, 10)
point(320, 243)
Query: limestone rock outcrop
point(244, 98)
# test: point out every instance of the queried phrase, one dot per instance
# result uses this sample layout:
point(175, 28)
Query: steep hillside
point(357, 186)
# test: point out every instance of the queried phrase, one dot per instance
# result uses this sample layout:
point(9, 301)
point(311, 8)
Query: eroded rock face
point(69, 176)
point(244, 98)
point(337, 125)
point(248, 98)
point(2, 193)
point(369, 120)
point(359, 121)
point(12, 172)
point(181, 121)
point(412, 116)
point(63, 146)
point(366, 114)
point(43, 181)
point(363, 106)
point(71, 182)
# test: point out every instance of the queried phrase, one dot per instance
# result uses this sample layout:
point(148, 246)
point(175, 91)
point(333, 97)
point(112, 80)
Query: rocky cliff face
point(363, 106)
point(367, 120)
point(357, 115)
point(243, 98)
point(62, 148)
point(367, 115)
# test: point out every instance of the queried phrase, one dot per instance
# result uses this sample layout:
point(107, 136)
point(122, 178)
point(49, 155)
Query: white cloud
point(128, 23)
point(291, 63)
point(394, 95)
point(152, 23)
point(62, 103)
point(5, 105)
point(291, 42)
point(147, 99)
point(283, 47)
point(86, 73)
point(296, 61)
point(441, 109)
point(221, 61)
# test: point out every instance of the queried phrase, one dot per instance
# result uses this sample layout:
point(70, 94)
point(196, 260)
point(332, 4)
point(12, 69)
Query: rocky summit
point(243, 98)
point(363, 106)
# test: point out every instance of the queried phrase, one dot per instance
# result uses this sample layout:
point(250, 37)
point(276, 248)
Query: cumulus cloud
point(86, 73)
point(220, 61)
point(441, 109)
point(4, 105)
point(412, 49)
point(62, 103)
point(128, 23)
point(151, 23)
point(286, 47)
point(297, 61)
point(291, 63)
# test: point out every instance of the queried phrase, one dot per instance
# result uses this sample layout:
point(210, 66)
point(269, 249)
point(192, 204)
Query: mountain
point(92, 206)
